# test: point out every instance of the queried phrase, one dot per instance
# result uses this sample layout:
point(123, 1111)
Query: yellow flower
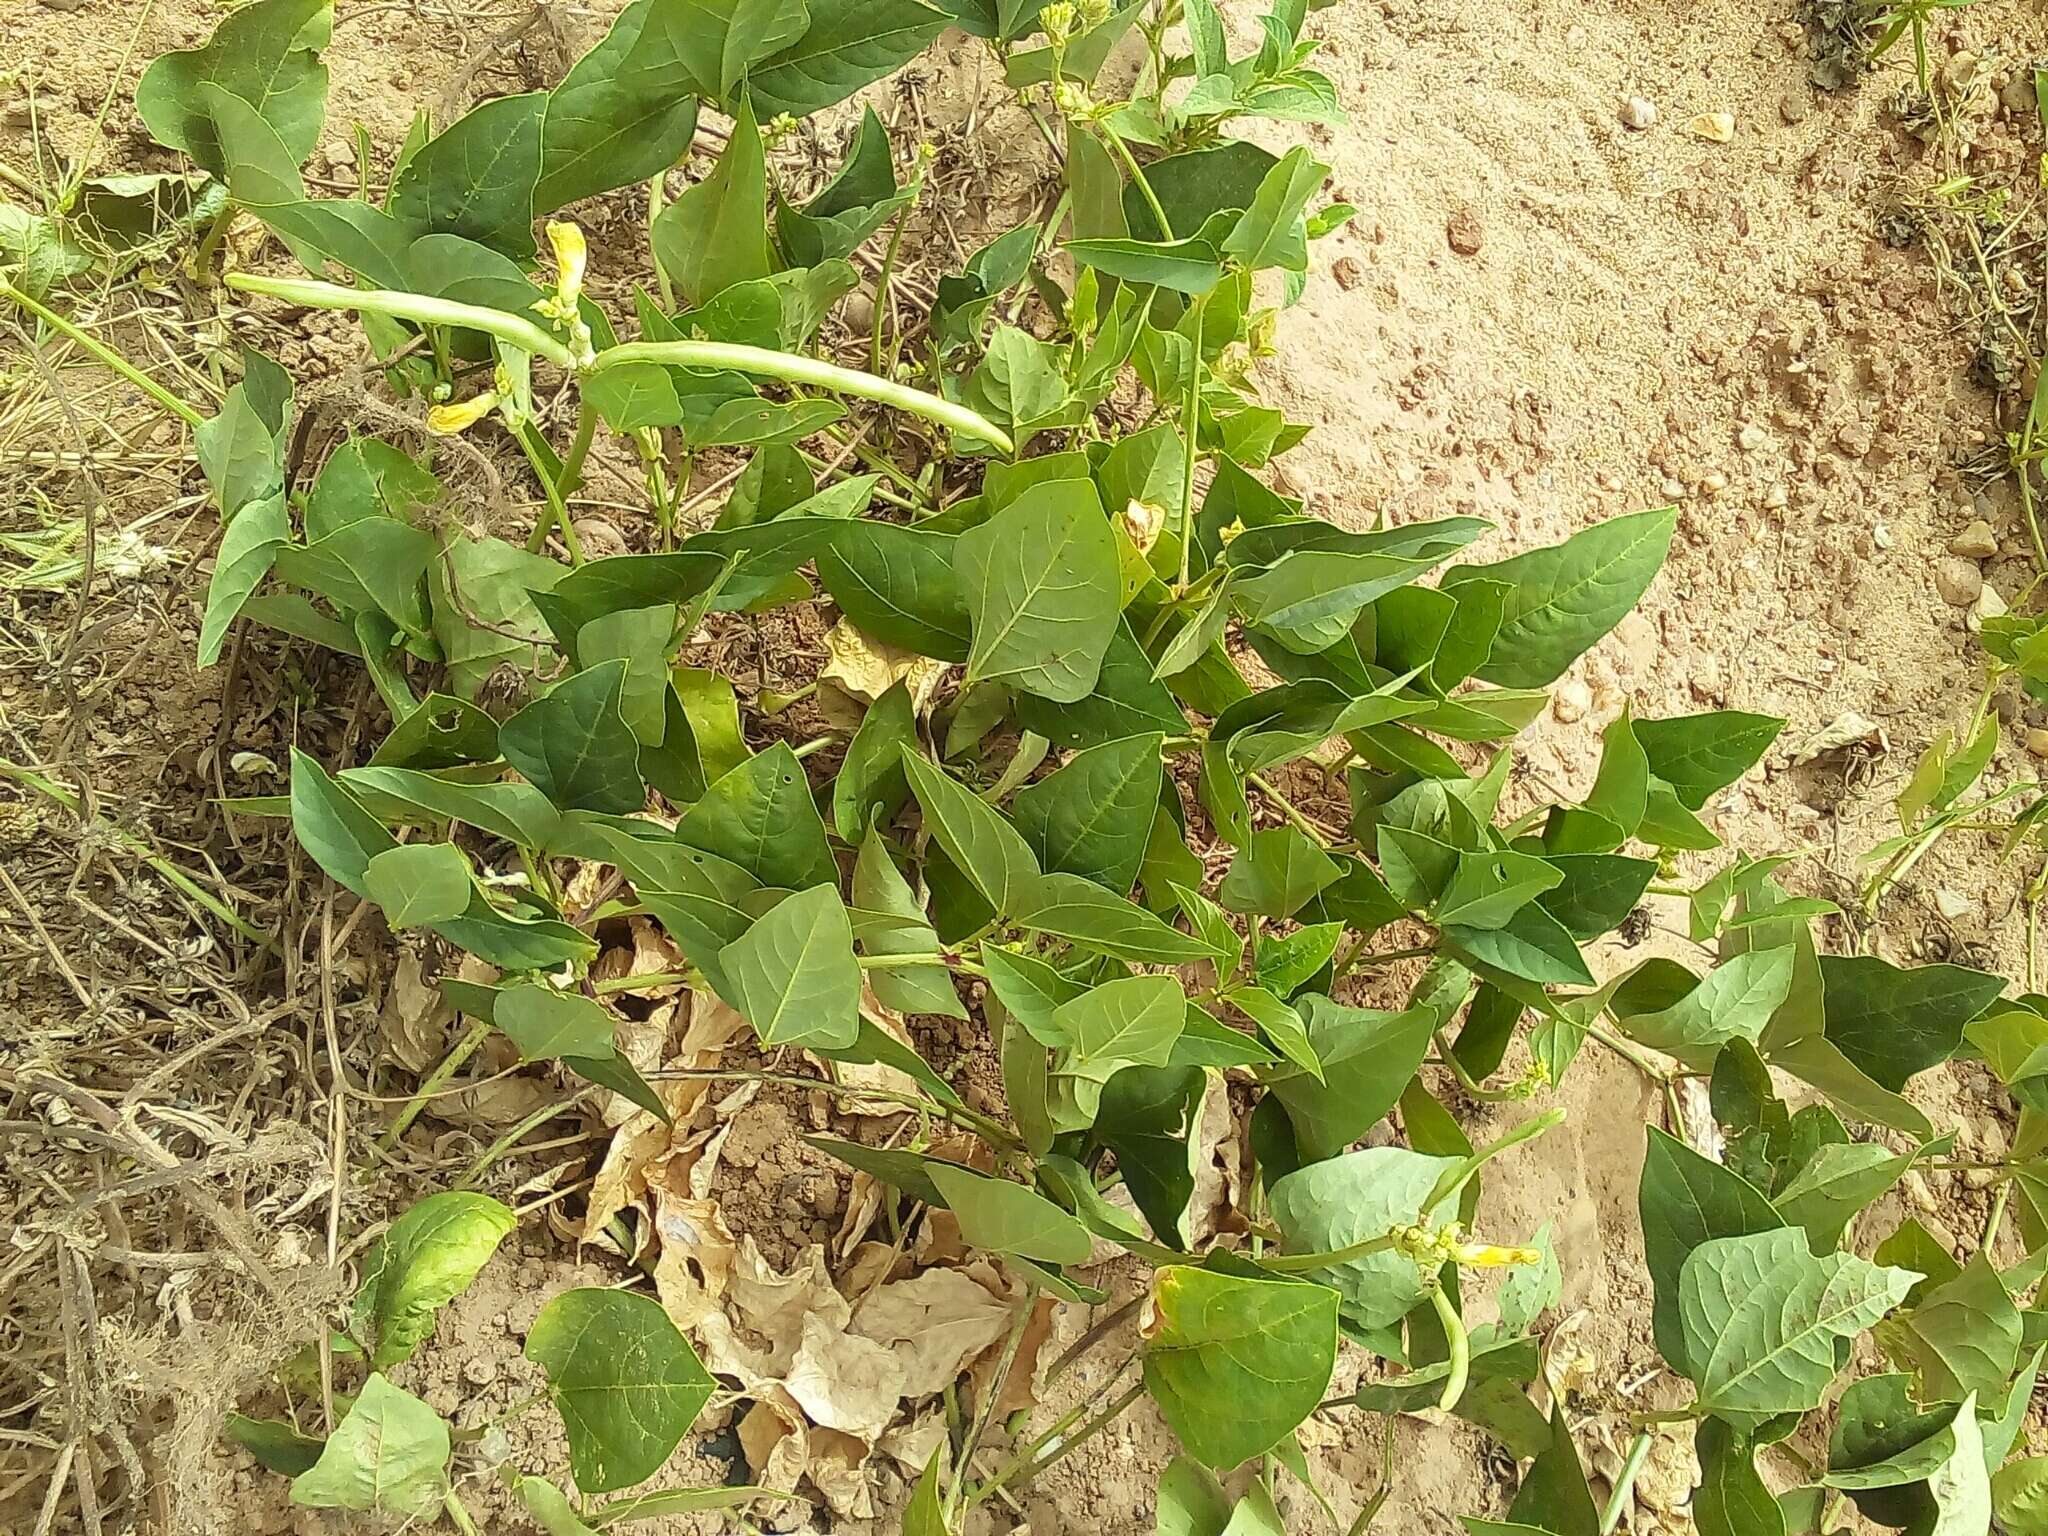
point(572, 255)
point(464, 414)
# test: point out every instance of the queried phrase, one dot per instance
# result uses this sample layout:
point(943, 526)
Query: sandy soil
point(1542, 316)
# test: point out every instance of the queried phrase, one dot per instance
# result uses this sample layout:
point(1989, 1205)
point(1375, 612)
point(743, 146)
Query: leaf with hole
point(424, 1260)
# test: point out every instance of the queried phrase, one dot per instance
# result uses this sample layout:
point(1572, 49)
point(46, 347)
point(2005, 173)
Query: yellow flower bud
point(572, 255)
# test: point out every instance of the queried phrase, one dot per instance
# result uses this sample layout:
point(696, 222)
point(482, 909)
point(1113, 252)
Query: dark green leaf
point(887, 920)
point(1700, 754)
point(266, 54)
point(1040, 579)
point(1685, 1200)
point(1093, 815)
point(626, 1382)
point(545, 1023)
point(716, 233)
point(760, 816)
point(476, 177)
point(1367, 1057)
point(849, 44)
point(1146, 1119)
point(897, 584)
point(575, 746)
point(1009, 1218)
point(1893, 1022)
point(990, 852)
point(625, 111)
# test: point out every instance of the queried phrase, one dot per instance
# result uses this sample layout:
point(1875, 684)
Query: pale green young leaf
point(887, 920)
point(1895, 1021)
point(1096, 918)
point(1268, 233)
point(1344, 1200)
point(1279, 1024)
point(1733, 1001)
point(1837, 1181)
point(925, 1515)
point(424, 1260)
point(794, 975)
point(1961, 1337)
point(419, 883)
point(248, 548)
point(626, 1382)
point(332, 826)
point(1275, 873)
point(389, 1456)
point(1130, 1019)
point(1486, 889)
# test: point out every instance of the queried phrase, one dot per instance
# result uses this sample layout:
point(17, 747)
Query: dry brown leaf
point(839, 1469)
point(414, 1021)
point(864, 1197)
point(772, 1434)
point(651, 953)
point(1214, 1156)
point(866, 668)
point(694, 1263)
point(939, 1243)
point(911, 1444)
point(844, 1381)
point(935, 1322)
point(756, 1336)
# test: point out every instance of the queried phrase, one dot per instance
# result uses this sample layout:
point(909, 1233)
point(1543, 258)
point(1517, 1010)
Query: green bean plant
point(1115, 675)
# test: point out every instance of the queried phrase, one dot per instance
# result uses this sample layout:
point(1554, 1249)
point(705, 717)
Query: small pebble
point(1958, 581)
point(1672, 488)
point(1463, 230)
point(1915, 1185)
point(1977, 541)
point(1716, 127)
point(1950, 904)
point(62, 5)
point(1571, 702)
point(2037, 741)
point(1750, 438)
point(1348, 272)
point(1989, 605)
point(1713, 482)
point(1638, 113)
point(480, 1370)
point(1795, 106)
point(1776, 497)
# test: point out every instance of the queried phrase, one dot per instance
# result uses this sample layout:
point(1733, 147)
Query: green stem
point(1017, 1471)
point(1123, 152)
point(432, 1083)
point(579, 450)
point(1460, 1346)
point(1288, 809)
point(1308, 1263)
point(984, 1409)
point(558, 507)
point(459, 1515)
point(107, 355)
point(1453, 1178)
point(792, 369)
point(1190, 425)
point(519, 1133)
point(1469, 1085)
point(1624, 1485)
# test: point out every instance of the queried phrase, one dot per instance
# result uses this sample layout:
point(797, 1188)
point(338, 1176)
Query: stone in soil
point(1976, 541)
point(1958, 581)
point(1638, 113)
point(1464, 232)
